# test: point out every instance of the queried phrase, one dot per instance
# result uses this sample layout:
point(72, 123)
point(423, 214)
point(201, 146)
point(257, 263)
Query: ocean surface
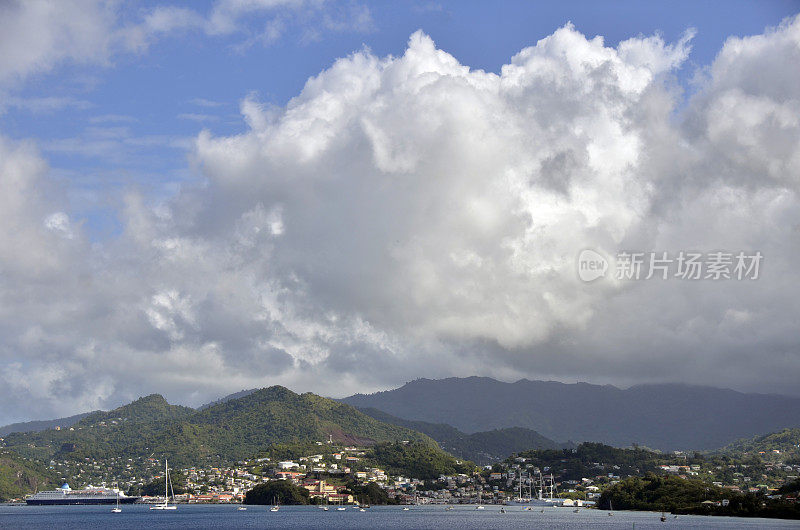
point(216, 516)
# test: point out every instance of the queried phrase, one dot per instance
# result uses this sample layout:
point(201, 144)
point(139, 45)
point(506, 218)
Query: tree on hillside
point(277, 491)
point(371, 493)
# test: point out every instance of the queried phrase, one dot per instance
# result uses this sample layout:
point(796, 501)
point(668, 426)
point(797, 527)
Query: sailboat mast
point(166, 479)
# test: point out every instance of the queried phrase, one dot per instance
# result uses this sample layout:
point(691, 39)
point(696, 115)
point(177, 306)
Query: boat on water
point(116, 509)
point(167, 490)
point(545, 494)
point(89, 495)
point(480, 501)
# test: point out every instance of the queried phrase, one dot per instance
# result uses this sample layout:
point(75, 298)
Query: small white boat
point(341, 509)
point(242, 508)
point(117, 509)
point(406, 508)
point(274, 508)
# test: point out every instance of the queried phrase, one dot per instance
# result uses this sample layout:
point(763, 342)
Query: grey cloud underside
point(407, 216)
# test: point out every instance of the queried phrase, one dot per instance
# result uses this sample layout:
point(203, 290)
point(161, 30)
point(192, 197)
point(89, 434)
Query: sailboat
point(479, 506)
point(610, 508)
point(117, 509)
point(167, 491)
point(275, 506)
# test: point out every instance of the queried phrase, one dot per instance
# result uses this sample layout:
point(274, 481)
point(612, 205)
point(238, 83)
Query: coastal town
point(332, 472)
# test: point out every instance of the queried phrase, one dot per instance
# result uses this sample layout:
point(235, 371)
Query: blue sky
point(129, 122)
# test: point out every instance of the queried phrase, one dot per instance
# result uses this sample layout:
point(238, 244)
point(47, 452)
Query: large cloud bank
point(408, 216)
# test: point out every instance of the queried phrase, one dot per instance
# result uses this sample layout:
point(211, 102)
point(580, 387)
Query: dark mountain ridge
point(480, 447)
point(662, 416)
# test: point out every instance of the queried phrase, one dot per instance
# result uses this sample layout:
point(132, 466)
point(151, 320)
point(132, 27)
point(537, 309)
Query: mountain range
point(661, 416)
point(475, 418)
point(228, 431)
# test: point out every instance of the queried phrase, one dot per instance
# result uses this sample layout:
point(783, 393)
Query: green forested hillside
point(689, 496)
point(655, 493)
point(225, 432)
point(417, 460)
point(782, 445)
point(20, 476)
point(124, 431)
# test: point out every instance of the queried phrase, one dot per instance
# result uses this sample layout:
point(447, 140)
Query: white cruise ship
point(89, 495)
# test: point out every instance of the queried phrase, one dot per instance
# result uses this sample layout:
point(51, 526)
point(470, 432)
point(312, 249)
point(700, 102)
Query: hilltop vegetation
point(145, 409)
point(417, 460)
point(20, 476)
point(277, 492)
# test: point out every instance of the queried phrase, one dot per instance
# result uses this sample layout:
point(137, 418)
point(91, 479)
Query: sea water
point(216, 516)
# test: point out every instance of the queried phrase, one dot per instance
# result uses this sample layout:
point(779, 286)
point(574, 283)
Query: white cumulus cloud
point(411, 215)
